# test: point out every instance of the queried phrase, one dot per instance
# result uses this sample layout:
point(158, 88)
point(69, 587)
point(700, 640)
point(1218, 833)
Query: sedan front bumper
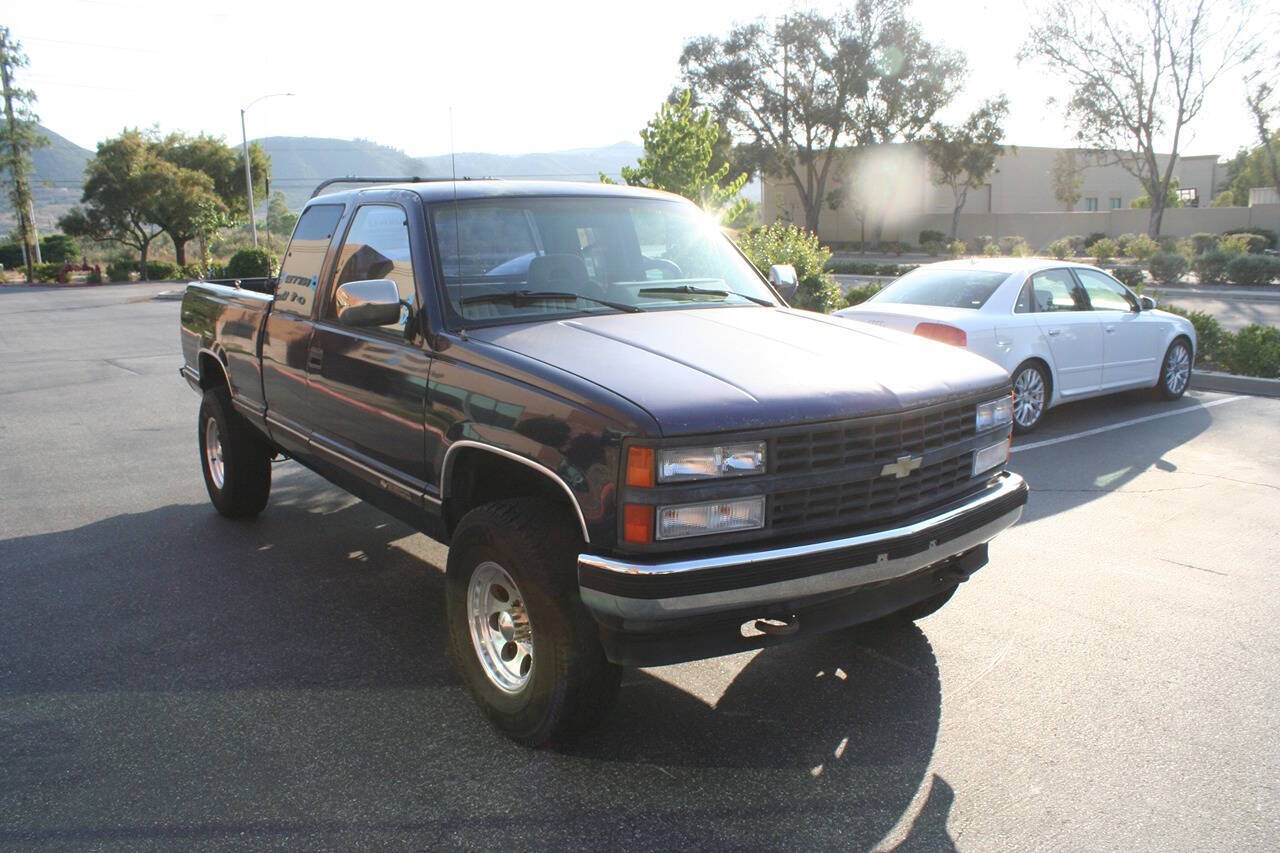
point(652, 604)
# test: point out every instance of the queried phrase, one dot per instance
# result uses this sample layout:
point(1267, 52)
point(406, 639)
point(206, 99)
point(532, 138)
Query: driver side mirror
point(784, 280)
point(1147, 302)
point(372, 302)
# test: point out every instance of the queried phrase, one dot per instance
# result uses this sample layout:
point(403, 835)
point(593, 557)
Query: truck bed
point(225, 323)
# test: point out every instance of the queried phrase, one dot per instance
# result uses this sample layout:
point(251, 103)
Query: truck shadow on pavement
point(316, 632)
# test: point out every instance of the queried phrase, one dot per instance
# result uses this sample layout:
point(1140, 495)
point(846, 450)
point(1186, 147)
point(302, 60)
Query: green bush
point(1122, 242)
point(1253, 269)
point(1090, 239)
point(191, 272)
point(1167, 243)
point(1009, 244)
point(95, 275)
point(59, 248)
point(1254, 351)
point(778, 243)
point(1202, 242)
point(862, 293)
point(1060, 248)
point(991, 250)
point(928, 235)
point(47, 273)
point(120, 270)
point(1237, 244)
point(1210, 339)
point(978, 245)
point(1131, 276)
point(1167, 267)
point(956, 248)
point(1077, 243)
point(1020, 249)
point(845, 267)
point(1266, 233)
point(162, 270)
point(1141, 247)
point(259, 263)
point(1211, 266)
point(1103, 249)
point(934, 247)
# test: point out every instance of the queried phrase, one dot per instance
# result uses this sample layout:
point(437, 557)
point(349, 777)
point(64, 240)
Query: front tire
point(1175, 371)
point(1030, 396)
point(236, 461)
point(518, 632)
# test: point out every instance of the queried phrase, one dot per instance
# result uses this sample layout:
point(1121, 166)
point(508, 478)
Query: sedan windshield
point(945, 288)
point(514, 259)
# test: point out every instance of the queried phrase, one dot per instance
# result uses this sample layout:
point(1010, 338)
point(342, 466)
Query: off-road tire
point(571, 684)
point(246, 458)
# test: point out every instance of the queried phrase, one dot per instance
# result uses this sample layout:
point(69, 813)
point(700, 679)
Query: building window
point(1091, 204)
point(1115, 202)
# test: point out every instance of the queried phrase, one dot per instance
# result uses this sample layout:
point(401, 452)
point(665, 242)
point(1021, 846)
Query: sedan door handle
point(1110, 329)
point(1053, 333)
point(315, 358)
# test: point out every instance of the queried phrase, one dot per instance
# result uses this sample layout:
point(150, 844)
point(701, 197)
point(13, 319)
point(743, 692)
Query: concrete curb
point(1208, 380)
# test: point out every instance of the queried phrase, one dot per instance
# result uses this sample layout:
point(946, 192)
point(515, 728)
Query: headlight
point(997, 413)
point(699, 463)
point(704, 519)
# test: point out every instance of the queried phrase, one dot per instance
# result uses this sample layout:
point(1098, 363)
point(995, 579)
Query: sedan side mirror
point(784, 280)
point(373, 302)
point(1147, 302)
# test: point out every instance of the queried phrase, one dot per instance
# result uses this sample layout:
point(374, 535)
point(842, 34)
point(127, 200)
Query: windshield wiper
point(706, 291)
point(516, 297)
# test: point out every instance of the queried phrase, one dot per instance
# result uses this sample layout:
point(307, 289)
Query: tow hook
point(960, 568)
point(778, 627)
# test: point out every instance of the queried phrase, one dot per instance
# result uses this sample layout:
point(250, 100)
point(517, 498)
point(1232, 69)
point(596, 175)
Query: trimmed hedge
point(1254, 351)
point(1265, 233)
point(843, 267)
point(1210, 338)
point(1253, 269)
point(258, 263)
point(1168, 267)
point(1131, 276)
point(1211, 266)
point(858, 295)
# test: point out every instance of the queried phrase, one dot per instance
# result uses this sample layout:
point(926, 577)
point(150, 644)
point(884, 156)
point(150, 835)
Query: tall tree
point(124, 183)
point(794, 90)
point(280, 219)
point(18, 136)
point(1261, 99)
point(965, 155)
point(679, 144)
point(224, 165)
point(1067, 177)
point(1139, 71)
point(180, 206)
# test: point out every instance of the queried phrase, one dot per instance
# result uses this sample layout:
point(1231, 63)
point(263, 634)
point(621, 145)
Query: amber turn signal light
point(637, 523)
point(640, 467)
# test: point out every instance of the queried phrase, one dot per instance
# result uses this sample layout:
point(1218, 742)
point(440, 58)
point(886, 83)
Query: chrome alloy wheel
point(213, 453)
point(1177, 369)
point(500, 629)
point(1028, 397)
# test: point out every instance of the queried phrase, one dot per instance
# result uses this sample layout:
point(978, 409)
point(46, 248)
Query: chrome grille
point(872, 439)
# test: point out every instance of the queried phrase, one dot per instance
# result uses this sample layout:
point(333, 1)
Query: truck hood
point(729, 369)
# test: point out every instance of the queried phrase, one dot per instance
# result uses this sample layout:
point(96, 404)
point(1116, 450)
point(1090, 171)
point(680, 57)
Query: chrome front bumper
point(641, 596)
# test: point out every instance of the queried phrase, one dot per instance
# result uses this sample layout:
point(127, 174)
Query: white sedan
point(1064, 331)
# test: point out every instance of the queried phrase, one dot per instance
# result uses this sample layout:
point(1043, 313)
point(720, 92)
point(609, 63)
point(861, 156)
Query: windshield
point(945, 288)
point(518, 259)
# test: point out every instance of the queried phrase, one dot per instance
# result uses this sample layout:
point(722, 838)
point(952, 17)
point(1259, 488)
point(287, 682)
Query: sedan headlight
point(704, 519)
point(997, 413)
point(676, 464)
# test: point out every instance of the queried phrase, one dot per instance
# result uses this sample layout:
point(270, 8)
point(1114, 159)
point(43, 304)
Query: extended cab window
point(300, 272)
point(377, 246)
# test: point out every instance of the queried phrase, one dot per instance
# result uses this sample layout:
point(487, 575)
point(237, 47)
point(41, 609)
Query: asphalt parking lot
point(172, 679)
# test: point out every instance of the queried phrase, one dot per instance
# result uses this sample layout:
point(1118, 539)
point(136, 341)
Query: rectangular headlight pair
point(997, 413)
point(678, 464)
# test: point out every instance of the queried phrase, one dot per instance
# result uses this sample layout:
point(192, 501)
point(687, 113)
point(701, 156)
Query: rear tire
point(518, 632)
point(235, 459)
point(1175, 370)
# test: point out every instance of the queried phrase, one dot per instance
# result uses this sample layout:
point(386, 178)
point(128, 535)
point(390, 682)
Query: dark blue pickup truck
point(637, 453)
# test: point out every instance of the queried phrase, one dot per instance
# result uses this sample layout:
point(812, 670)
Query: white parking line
point(1123, 424)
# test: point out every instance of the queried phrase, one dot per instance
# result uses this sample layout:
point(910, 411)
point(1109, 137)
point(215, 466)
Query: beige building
point(897, 183)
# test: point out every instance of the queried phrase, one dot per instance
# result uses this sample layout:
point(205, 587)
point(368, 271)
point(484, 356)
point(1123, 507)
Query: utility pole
point(35, 232)
point(248, 175)
point(11, 57)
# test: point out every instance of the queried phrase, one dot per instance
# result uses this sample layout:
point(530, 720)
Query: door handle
point(1110, 329)
point(315, 358)
point(1053, 333)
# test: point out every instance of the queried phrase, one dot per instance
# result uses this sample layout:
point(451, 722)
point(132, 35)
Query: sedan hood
point(728, 369)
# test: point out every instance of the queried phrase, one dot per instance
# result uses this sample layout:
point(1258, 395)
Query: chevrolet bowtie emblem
point(904, 466)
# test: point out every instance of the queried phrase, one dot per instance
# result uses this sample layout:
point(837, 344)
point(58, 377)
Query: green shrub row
point(1252, 351)
point(844, 267)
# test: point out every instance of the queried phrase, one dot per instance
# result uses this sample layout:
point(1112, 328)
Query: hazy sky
point(520, 77)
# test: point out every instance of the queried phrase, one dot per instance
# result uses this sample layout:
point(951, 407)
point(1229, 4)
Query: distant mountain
point(57, 171)
point(299, 163)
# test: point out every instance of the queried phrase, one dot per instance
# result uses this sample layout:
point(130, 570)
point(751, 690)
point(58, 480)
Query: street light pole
point(248, 175)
